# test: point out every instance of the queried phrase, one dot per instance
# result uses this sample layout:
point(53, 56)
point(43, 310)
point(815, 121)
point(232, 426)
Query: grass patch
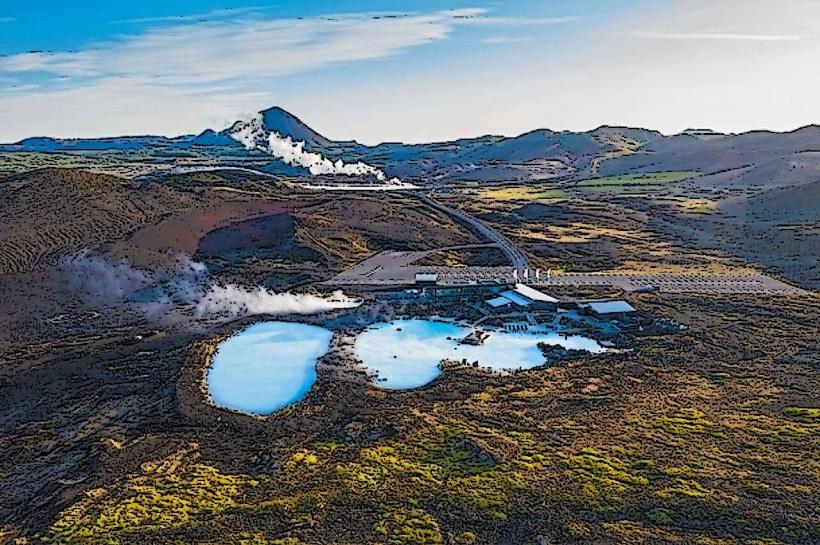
point(697, 206)
point(250, 538)
point(463, 455)
point(604, 479)
point(684, 422)
point(647, 178)
point(478, 467)
point(686, 488)
point(161, 498)
point(521, 192)
point(802, 412)
point(659, 516)
point(409, 526)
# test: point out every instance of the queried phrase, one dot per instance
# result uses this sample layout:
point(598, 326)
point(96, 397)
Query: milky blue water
point(406, 353)
point(266, 366)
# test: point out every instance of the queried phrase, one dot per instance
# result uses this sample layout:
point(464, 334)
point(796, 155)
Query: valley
point(127, 264)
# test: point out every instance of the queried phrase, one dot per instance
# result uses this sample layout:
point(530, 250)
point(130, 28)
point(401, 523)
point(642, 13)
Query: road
point(398, 268)
point(726, 283)
point(517, 259)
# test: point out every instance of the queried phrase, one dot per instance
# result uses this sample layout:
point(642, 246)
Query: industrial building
point(612, 309)
point(426, 279)
point(522, 297)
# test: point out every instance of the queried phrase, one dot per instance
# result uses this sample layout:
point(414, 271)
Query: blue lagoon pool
point(407, 353)
point(266, 366)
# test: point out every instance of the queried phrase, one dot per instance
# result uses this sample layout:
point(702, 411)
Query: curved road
point(517, 259)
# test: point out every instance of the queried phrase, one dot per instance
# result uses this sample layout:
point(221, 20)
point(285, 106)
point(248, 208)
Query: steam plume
point(107, 282)
point(102, 280)
point(236, 301)
point(253, 135)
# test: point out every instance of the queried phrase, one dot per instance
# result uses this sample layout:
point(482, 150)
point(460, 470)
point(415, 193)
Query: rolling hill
point(726, 161)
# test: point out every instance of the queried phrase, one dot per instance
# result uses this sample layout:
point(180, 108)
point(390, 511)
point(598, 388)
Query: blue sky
point(411, 71)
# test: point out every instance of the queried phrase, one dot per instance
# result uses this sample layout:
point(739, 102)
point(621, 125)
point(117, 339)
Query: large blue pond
point(406, 353)
point(267, 366)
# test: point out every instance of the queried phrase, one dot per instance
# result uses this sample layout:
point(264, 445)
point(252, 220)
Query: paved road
point(399, 269)
point(517, 259)
point(725, 283)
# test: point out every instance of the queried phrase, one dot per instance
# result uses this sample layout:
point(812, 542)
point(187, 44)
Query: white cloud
point(732, 65)
point(504, 40)
point(185, 77)
point(201, 17)
point(229, 49)
point(481, 19)
point(598, 75)
point(115, 106)
point(182, 74)
point(716, 36)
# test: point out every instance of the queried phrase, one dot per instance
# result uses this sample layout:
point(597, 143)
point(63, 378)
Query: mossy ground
point(684, 440)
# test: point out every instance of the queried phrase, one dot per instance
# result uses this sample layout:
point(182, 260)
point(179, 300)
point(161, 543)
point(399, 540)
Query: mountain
point(286, 124)
point(722, 160)
point(45, 144)
point(210, 137)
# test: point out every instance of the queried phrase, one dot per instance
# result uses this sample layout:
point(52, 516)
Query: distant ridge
point(763, 157)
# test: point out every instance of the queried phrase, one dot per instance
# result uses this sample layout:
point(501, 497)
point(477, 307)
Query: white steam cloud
point(237, 301)
point(103, 281)
point(253, 135)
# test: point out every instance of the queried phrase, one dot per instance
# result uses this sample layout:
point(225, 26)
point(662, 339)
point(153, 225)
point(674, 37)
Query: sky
point(414, 71)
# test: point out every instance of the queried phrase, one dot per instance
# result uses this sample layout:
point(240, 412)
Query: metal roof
point(534, 294)
point(611, 307)
point(516, 298)
point(498, 302)
point(426, 277)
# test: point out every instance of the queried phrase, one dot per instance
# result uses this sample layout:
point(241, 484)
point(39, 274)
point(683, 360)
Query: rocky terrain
point(702, 435)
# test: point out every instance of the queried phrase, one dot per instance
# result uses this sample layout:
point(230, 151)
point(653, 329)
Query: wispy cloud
point(491, 20)
point(233, 48)
point(504, 40)
point(197, 17)
point(717, 36)
point(20, 88)
point(180, 74)
point(6, 19)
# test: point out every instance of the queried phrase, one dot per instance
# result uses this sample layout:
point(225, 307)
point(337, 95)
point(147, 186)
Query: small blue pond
point(406, 353)
point(267, 366)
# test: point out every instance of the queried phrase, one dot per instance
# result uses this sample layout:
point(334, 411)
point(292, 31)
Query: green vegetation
point(684, 487)
point(409, 527)
point(467, 463)
point(522, 192)
point(804, 412)
point(605, 479)
point(660, 516)
point(683, 422)
point(648, 178)
point(246, 538)
point(644, 182)
point(161, 498)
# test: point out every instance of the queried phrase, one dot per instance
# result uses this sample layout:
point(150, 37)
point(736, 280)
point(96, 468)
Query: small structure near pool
point(612, 309)
point(426, 279)
point(522, 297)
point(499, 304)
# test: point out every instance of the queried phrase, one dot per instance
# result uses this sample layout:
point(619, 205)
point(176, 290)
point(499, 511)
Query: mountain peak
point(286, 124)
